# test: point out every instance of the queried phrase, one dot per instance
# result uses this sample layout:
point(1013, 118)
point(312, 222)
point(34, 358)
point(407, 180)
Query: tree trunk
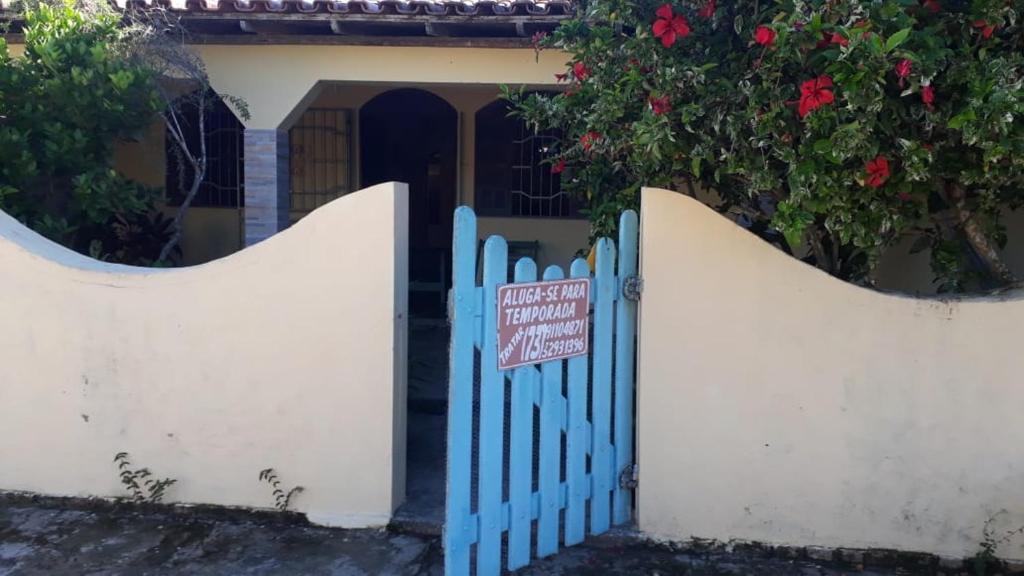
point(986, 250)
point(198, 163)
point(821, 257)
point(179, 217)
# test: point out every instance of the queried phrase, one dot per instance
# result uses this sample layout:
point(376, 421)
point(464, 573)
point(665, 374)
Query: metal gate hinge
point(629, 476)
point(632, 287)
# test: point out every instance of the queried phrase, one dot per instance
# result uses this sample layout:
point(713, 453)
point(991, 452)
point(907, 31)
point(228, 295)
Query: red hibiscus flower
point(588, 139)
point(928, 96)
point(669, 28)
point(986, 29)
point(904, 67)
point(764, 36)
point(660, 105)
point(708, 10)
point(537, 39)
point(580, 71)
point(839, 39)
point(558, 167)
point(878, 172)
point(932, 5)
point(814, 94)
point(561, 77)
point(905, 196)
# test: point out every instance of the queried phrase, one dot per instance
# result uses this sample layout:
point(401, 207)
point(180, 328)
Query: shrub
point(63, 107)
point(842, 126)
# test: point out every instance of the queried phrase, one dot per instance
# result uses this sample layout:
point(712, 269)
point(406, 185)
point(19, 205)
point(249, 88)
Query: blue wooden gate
point(584, 434)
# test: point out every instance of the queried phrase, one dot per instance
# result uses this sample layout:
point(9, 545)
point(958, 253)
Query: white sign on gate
point(542, 321)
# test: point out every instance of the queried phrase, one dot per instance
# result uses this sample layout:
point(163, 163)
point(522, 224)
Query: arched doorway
point(411, 136)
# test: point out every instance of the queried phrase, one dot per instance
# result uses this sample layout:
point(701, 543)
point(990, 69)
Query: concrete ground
point(47, 536)
point(427, 423)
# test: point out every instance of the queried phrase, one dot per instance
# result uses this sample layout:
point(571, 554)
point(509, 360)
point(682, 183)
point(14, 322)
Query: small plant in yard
point(141, 483)
point(282, 499)
point(985, 562)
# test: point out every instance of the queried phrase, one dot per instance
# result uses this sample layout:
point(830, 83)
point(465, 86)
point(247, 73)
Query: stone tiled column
point(266, 184)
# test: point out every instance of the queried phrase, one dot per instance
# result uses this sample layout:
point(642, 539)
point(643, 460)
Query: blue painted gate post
point(625, 350)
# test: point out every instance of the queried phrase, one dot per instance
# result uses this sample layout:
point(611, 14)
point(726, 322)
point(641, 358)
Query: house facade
point(345, 95)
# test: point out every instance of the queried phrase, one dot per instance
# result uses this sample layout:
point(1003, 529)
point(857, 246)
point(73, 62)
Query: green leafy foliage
point(835, 128)
point(64, 105)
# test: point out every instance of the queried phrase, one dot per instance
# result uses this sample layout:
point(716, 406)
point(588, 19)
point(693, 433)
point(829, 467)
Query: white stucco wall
point(778, 404)
point(289, 354)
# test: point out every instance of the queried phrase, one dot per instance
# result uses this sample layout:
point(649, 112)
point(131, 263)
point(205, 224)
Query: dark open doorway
point(410, 135)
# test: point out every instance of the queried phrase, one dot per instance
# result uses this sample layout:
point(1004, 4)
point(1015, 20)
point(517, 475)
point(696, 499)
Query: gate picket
point(575, 438)
point(492, 413)
point(550, 447)
point(607, 437)
point(625, 336)
point(601, 450)
point(520, 487)
point(458, 530)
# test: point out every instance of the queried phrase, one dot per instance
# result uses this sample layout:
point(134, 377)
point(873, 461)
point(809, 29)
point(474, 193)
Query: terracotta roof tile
point(239, 19)
point(406, 7)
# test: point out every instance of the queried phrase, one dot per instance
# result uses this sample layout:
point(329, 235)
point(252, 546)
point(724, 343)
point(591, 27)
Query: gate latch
point(629, 476)
point(632, 287)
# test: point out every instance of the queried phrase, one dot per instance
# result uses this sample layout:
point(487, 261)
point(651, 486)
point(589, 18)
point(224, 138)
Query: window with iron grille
point(512, 175)
point(222, 185)
point(320, 144)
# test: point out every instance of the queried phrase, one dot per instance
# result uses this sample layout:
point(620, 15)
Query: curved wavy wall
point(287, 355)
point(778, 404)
